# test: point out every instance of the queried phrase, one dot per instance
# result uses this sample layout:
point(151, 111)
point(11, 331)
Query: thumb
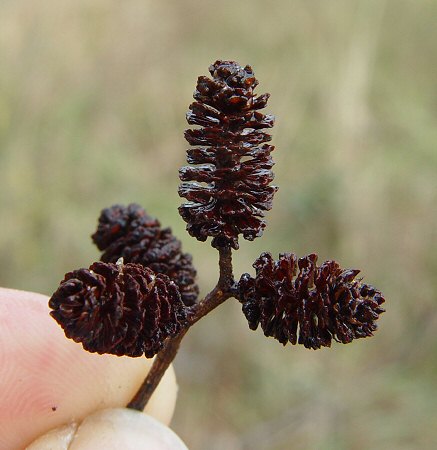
point(47, 380)
point(112, 429)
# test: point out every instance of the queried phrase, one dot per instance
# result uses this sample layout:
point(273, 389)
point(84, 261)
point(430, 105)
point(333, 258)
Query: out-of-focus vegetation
point(92, 101)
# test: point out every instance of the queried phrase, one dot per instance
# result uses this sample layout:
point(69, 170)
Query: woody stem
point(220, 293)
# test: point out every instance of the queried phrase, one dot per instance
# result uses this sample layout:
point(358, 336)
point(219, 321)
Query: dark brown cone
point(296, 301)
point(118, 309)
point(129, 232)
point(227, 186)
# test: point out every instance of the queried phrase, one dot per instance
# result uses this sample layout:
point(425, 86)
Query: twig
point(160, 365)
point(221, 292)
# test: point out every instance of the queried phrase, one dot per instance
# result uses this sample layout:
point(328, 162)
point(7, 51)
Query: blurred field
point(93, 95)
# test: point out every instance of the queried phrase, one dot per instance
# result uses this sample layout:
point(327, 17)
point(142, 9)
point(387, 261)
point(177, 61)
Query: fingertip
point(127, 429)
point(57, 439)
point(113, 429)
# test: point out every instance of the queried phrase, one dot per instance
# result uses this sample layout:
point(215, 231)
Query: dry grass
point(92, 103)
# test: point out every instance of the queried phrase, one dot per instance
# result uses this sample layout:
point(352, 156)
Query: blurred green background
point(93, 95)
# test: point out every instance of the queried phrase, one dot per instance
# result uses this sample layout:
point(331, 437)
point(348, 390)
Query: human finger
point(47, 380)
point(112, 429)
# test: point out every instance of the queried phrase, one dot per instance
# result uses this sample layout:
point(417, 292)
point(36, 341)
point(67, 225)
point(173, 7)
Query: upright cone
point(227, 186)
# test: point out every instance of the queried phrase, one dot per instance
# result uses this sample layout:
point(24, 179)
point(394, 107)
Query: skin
point(49, 382)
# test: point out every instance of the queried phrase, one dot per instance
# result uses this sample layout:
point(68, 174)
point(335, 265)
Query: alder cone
point(118, 309)
point(128, 232)
point(298, 302)
point(227, 184)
